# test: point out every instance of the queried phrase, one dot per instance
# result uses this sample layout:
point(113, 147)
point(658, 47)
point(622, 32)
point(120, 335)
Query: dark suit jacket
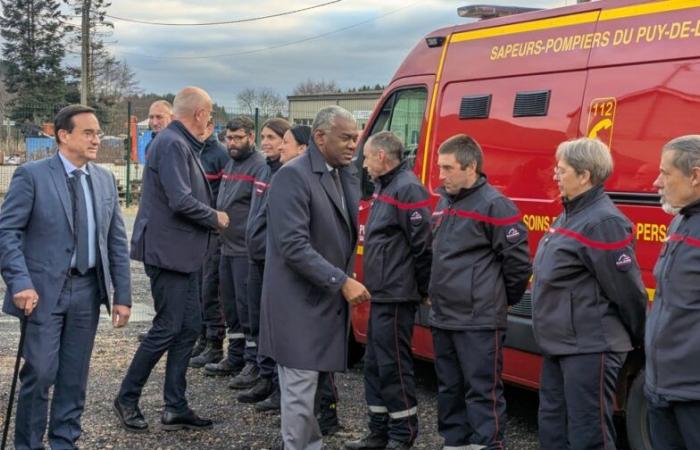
point(175, 217)
point(304, 319)
point(36, 236)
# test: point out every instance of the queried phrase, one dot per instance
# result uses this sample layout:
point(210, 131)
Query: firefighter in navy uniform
point(673, 327)
point(481, 265)
point(209, 348)
point(588, 303)
point(396, 267)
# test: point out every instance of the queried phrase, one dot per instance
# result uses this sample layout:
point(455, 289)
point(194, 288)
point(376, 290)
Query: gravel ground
point(237, 426)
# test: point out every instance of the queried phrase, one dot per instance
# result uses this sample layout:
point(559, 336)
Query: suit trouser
point(214, 327)
point(57, 352)
point(232, 279)
point(175, 328)
point(255, 278)
point(298, 389)
point(471, 405)
point(577, 394)
point(675, 425)
point(390, 387)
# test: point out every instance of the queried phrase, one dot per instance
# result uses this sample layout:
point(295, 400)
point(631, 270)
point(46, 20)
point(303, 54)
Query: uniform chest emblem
point(416, 218)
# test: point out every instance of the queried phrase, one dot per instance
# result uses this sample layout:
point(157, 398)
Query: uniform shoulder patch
point(512, 234)
point(623, 261)
point(416, 218)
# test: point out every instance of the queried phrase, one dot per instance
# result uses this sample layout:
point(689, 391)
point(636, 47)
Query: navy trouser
point(212, 309)
point(390, 388)
point(471, 406)
point(57, 352)
point(255, 278)
point(233, 276)
point(175, 329)
point(675, 425)
point(326, 391)
point(577, 394)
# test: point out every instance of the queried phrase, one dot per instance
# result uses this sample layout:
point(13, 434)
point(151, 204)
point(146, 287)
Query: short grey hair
point(389, 142)
point(587, 154)
point(164, 103)
point(687, 150)
point(326, 117)
point(188, 100)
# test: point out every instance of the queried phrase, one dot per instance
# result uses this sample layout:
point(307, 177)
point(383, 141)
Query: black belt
point(73, 272)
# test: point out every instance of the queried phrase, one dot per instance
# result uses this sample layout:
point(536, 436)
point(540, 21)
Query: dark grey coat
point(673, 327)
point(175, 217)
point(304, 320)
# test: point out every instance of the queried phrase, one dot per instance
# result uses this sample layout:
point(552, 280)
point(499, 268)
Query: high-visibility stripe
point(432, 112)
point(480, 217)
point(250, 344)
point(405, 413)
point(651, 293)
point(235, 336)
point(624, 12)
point(600, 245)
point(693, 242)
point(401, 205)
point(360, 250)
point(457, 447)
point(378, 409)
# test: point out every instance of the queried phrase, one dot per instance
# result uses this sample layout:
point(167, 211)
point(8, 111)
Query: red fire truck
point(625, 71)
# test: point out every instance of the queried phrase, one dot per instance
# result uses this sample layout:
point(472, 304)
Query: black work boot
point(199, 346)
point(246, 378)
point(223, 368)
point(212, 353)
point(258, 392)
point(398, 445)
point(271, 403)
point(373, 441)
point(327, 418)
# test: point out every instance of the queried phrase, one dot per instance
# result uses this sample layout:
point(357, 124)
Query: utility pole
point(85, 54)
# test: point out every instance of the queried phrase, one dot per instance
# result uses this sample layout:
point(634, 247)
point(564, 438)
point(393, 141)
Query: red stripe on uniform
point(238, 176)
point(215, 176)
point(591, 243)
point(693, 242)
point(401, 205)
point(481, 218)
point(261, 185)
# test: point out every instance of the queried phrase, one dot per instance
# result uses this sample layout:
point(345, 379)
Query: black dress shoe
point(373, 441)
point(130, 417)
point(271, 403)
point(223, 368)
point(186, 421)
point(259, 392)
point(397, 445)
point(246, 379)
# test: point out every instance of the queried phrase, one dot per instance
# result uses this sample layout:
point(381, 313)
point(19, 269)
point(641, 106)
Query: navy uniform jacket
point(175, 217)
point(36, 236)
point(214, 158)
point(481, 261)
point(304, 318)
point(397, 247)
point(587, 292)
point(673, 327)
point(256, 229)
point(245, 177)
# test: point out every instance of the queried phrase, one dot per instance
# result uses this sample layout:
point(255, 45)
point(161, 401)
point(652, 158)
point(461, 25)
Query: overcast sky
point(236, 56)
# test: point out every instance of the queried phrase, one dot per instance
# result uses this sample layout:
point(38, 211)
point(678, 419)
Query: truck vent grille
point(535, 103)
point(475, 107)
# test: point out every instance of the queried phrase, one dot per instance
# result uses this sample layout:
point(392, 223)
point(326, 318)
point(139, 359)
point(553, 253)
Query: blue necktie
point(80, 223)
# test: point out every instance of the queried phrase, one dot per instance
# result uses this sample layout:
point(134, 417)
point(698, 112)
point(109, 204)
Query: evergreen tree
point(33, 31)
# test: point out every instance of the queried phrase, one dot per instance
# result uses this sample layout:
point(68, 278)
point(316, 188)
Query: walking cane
point(8, 414)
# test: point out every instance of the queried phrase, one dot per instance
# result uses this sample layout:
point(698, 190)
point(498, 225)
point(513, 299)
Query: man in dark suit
point(171, 235)
point(63, 253)
point(312, 223)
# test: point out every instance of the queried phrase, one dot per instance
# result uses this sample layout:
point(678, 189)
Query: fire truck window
point(402, 113)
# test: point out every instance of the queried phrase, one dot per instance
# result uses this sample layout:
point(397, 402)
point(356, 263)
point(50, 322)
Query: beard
point(666, 206)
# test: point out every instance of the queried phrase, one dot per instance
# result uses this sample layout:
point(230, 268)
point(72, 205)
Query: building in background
point(303, 108)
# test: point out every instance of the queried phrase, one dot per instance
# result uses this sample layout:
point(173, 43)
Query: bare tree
point(267, 100)
point(310, 86)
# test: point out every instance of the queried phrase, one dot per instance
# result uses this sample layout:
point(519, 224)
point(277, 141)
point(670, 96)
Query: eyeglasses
point(92, 134)
point(235, 138)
